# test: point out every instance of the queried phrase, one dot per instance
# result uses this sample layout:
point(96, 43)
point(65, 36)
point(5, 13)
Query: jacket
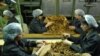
point(37, 26)
point(77, 25)
point(13, 49)
point(13, 19)
point(87, 43)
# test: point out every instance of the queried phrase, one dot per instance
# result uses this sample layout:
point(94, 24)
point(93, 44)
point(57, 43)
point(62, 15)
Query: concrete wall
point(49, 7)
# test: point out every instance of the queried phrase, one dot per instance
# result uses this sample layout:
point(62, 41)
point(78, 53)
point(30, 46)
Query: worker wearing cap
point(79, 13)
point(37, 25)
point(10, 3)
point(14, 44)
point(89, 41)
point(9, 17)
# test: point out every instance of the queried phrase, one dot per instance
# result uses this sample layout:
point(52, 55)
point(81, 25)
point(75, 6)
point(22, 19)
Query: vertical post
point(41, 4)
point(73, 8)
point(19, 12)
point(57, 7)
point(31, 3)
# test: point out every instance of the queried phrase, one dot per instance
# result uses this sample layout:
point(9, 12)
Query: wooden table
point(39, 36)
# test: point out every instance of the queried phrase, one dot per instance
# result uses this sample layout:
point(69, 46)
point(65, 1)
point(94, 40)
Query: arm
point(19, 52)
point(86, 45)
point(35, 27)
point(78, 30)
point(71, 38)
point(40, 29)
point(74, 39)
point(77, 25)
point(29, 43)
point(78, 39)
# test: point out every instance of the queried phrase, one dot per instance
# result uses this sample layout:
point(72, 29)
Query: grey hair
point(79, 12)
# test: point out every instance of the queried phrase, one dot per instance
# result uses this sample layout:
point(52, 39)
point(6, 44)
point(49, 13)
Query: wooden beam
point(42, 36)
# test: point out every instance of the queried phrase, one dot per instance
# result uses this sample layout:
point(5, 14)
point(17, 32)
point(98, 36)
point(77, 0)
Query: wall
point(49, 7)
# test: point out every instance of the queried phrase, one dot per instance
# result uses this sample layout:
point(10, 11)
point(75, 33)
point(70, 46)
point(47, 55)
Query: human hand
point(49, 24)
point(72, 27)
point(66, 34)
point(40, 43)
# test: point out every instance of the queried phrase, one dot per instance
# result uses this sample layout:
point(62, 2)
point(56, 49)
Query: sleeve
point(74, 39)
point(32, 43)
point(29, 43)
point(18, 52)
point(86, 45)
point(78, 30)
point(78, 39)
point(36, 27)
point(77, 25)
point(76, 48)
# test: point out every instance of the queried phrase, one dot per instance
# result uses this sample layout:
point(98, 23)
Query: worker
point(37, 25)
point(14, 44)
point(9, 16)
point(88, 42)
point(10, 3)
point(79, 13)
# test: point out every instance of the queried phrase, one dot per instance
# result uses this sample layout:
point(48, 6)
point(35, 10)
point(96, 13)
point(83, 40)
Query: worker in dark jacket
point(10, 3)
point(79, 13)
point(37, 25)
point(9, 17)
point(14, 44)
point(88, 42)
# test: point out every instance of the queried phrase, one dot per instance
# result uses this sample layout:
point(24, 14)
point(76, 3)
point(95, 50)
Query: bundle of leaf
point(60, 49)
point(60, 24)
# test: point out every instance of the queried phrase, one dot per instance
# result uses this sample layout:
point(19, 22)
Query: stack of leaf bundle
point(60, 49)
point(60, 25)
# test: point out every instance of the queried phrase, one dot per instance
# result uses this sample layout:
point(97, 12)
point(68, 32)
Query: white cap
point(13, 1)
point(91, 21)
point(11, 31)
point(8, 13)
point(37, 12)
